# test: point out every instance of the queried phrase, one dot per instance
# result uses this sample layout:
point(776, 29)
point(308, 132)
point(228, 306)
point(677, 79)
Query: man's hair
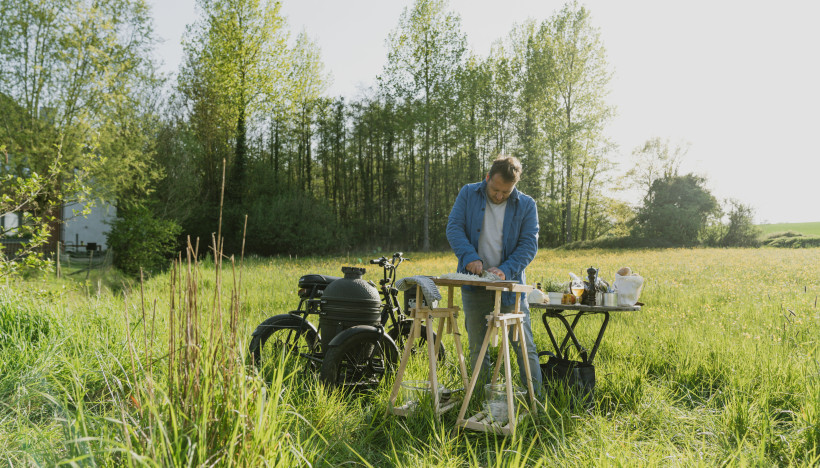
point(509, 167)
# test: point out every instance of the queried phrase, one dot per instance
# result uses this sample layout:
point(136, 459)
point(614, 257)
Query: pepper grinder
point(589, 287)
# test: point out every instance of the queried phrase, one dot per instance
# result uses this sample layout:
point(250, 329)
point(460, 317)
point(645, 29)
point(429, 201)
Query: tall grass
point(721, 367)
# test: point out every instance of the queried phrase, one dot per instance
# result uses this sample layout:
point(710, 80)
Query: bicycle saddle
point(320, 281)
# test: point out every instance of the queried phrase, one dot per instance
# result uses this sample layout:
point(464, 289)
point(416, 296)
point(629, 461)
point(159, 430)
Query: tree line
point(313, 173)
point(316, 172)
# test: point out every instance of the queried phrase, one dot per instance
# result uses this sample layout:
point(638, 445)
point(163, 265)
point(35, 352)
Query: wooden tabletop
point(503, 285)
point(584, 308)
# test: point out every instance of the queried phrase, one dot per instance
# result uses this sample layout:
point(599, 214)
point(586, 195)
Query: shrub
point(619, 242)
point(741, 230)
point(285, 224)
point(776, 235)
point(677, 209)
point(791, 240)
point(140, 239)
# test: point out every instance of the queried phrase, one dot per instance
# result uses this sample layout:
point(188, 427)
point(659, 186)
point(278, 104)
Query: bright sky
point(738, 80)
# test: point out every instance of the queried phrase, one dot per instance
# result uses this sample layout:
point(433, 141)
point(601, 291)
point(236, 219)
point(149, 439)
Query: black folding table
point(562, 311)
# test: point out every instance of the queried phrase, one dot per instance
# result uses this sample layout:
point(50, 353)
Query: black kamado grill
point(348, 302)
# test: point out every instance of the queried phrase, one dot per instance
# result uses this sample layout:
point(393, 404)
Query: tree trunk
point(568, 199)
point(238, 179)
point(580, 201)
point(425, 247)
point(586, 205)
point(308, 154)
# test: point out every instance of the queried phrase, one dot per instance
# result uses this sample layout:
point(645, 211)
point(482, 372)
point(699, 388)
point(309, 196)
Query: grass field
point(720, 367)
point(809, 229)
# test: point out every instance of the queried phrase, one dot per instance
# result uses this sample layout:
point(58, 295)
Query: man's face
point(498, 189)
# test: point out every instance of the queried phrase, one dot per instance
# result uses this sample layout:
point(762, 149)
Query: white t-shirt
point(490, 241)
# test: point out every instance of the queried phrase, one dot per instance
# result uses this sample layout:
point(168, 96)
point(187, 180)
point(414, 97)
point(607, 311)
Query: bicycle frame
point(391, 310)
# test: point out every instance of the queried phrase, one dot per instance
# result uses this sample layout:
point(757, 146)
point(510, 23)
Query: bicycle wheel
point(281, 335)
point(405, 327)
point(358, 358)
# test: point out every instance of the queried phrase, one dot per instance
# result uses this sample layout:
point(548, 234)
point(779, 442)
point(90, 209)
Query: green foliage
point(741, 231)
point(388, 163)
point(790, 239)
point(619, 242)
point(83, 76)
point(655, 160)
point(139, 239)
point(577, 121)
point(36, 199)
point(425, 52)
point(235, 70)
point(676, 209)
point(292, 224)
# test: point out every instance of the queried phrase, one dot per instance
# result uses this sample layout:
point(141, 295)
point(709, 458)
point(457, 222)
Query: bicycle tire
point(358, 358)
point(293, 334)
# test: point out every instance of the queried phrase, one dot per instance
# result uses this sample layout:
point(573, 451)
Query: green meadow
point(807, 229)
point(720, 367)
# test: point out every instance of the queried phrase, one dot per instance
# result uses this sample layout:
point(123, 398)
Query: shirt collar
point(482, 188)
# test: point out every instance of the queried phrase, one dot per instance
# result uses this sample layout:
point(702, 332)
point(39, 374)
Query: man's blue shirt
point(519, 234)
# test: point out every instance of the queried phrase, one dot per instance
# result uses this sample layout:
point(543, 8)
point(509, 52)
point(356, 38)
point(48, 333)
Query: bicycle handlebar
point(384, 261)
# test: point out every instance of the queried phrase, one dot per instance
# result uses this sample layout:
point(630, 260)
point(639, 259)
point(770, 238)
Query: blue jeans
point(478, 304)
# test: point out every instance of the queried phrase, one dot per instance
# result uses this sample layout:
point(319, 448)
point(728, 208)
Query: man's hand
point(475, 267)
point(497, 272)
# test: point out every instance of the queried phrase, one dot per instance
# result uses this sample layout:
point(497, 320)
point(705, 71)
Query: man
point(494, 227)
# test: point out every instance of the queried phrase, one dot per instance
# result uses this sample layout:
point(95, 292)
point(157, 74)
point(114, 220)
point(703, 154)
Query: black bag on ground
point(575, 375)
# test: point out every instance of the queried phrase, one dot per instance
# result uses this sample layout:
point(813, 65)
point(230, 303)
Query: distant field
point(803, 228)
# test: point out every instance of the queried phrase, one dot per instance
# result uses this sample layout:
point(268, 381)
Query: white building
point(79, 231)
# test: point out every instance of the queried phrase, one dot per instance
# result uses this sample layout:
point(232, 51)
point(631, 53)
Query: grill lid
point(351, 289)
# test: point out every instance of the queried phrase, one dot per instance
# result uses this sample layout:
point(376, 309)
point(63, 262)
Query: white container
point(555, 297)
point(628, 288)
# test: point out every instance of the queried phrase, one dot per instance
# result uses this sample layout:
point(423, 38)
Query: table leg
point(572, 328)
point(405, 356)
point(505, 345)
point(459, 350)
point(552, 337)
point(600, 337)
point(431, 354)
point(571, 334)
point(474, 378)
point(439, 334)
point(496, 311)
point(497, 369)
point(528, 372)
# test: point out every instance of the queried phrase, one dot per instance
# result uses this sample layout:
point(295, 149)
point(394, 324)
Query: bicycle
point(358, 355)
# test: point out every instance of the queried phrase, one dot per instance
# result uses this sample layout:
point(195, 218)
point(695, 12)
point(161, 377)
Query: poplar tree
point(581, 79)
point(308, 82)
point(236, 61)
point(425, 51)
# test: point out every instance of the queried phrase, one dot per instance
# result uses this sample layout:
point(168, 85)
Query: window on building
point(9, 223)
